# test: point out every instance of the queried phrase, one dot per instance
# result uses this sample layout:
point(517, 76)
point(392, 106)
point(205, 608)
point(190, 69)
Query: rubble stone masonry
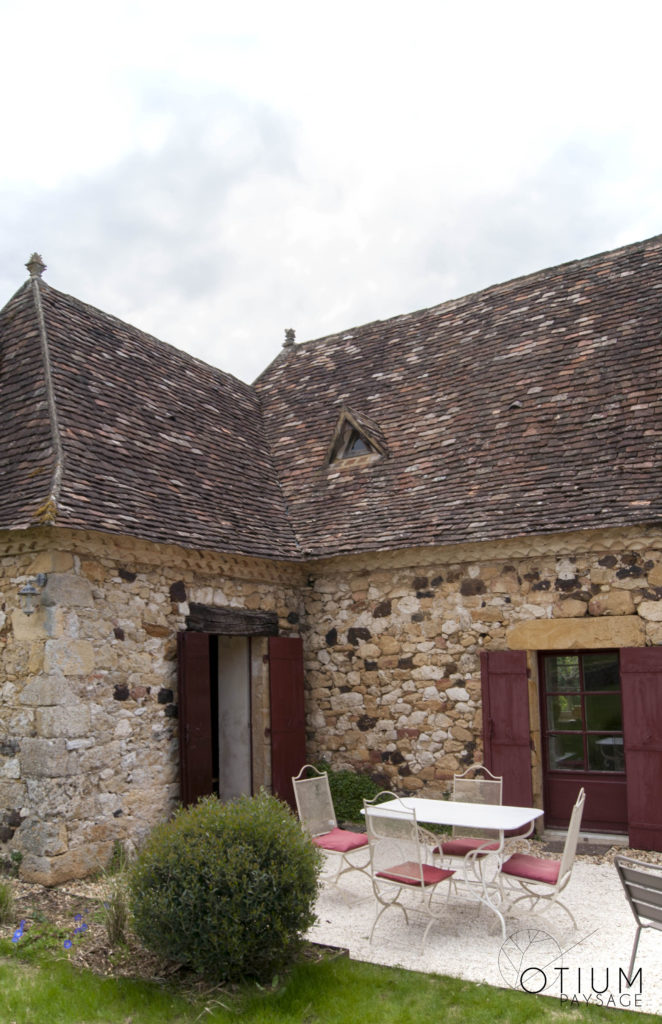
point(88, 683)
point(89, 751)
point(392, 654)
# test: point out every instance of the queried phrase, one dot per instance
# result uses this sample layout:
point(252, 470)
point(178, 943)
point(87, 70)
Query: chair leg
point(634, 953)
point(385, 907)
point(536, 899)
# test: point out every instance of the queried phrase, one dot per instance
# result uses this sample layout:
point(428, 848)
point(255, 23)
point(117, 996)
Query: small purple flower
point(18, 934)
point(78, 917)
point(67, 943)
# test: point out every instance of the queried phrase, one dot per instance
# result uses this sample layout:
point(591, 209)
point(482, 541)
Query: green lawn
point(327, 991)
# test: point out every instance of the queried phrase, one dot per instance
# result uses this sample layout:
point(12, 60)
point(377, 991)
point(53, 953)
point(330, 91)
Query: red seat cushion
point(461, 847)
point(533, 869)
point(340, 840)
point(409, 874)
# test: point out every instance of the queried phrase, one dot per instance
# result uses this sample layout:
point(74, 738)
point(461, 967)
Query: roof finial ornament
point(36, 265)
point(289, 337)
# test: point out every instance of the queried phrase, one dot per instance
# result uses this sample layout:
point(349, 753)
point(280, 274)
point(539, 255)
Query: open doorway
point(231, 709)
point(241, 714)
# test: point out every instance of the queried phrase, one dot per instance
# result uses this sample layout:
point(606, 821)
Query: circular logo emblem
point(528, 960)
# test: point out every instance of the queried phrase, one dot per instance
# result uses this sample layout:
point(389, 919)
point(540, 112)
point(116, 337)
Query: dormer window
point(355, 436)
point(356, 445)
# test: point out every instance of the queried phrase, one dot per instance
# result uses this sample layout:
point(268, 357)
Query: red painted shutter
point(506, 731)
point(641, 691)
point(288, 721)
point(195, 727)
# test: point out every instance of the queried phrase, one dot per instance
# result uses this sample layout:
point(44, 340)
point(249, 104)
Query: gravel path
point(573, 966)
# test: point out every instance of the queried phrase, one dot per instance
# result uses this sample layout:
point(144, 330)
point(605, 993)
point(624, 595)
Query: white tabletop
point(501, 817)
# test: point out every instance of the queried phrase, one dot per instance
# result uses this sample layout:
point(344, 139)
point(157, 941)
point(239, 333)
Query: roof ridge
point(450, 303)
point(47, 511)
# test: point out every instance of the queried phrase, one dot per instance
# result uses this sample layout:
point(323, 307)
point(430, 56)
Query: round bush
point(348, 790)
point(227, 889)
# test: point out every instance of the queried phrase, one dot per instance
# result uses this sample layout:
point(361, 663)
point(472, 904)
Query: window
point(354, 445)
point(582, 714)
point(355, 435)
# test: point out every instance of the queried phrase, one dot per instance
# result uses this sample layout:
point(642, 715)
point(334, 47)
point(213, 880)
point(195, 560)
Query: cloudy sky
point(216, 172)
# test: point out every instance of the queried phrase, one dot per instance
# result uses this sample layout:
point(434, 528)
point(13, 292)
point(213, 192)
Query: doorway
point(232, 728)
point(582, 738)
point(241, 714)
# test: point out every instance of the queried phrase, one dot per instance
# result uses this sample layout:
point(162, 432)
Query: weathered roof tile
point(530, 407)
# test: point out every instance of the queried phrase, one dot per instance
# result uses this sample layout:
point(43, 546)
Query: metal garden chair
point(475, 786)
point(400, 860)
point(347, 850)
point(543, 879)
point(643, 888)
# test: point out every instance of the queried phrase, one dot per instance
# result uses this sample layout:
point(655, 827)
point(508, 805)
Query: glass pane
point(601, 671)
point(565, 712)
point(566, 752)
point(355, 446)
point(603, 711)
point(562, 672)
point(605, 754)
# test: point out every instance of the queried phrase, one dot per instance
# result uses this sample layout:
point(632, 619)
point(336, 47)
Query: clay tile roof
point(148, 441)
point(530, 407)
point(533, 406)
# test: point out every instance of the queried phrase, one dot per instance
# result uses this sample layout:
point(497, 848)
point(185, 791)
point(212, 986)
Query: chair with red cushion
point(400, 855)
point(540, 879)
point(347, 850)
point(475, 786)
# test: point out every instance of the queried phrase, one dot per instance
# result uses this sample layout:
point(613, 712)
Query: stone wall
point(88, 687)
point(392, 652)
point(88, 683)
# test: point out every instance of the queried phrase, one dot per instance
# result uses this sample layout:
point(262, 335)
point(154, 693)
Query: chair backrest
point(314, 801)
point(643, 887)
point(393, 838)
point(572, 837)
point(477, 786)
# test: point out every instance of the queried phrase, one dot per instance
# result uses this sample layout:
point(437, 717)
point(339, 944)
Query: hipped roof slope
point(153, 442)
point(531, 407)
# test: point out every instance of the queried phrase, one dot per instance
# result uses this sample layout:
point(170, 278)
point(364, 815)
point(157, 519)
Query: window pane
point(603, 711)
point(562, 672)
point(566, 752)
point(601, 671)
point(565, 712)
point(605, 754)
point(355, 446)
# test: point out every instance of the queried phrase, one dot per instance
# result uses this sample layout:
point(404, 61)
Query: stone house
point(420, 543)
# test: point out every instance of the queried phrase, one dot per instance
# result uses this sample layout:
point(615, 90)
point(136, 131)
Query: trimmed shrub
point(348, 791)
point(226, 888)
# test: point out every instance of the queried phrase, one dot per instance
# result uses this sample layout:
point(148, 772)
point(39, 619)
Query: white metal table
point(500, 818)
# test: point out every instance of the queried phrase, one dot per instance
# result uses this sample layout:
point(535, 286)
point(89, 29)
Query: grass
point(40, 982)
point(326, 991)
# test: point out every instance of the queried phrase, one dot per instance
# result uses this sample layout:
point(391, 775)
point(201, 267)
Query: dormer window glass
point(356, 445)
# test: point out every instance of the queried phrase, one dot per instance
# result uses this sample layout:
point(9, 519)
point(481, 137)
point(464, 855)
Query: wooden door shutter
point(195, 725)
point(288, 720)
point(506, 730)
point(641, 692)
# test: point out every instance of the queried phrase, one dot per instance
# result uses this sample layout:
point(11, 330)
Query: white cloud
point(216, 173)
